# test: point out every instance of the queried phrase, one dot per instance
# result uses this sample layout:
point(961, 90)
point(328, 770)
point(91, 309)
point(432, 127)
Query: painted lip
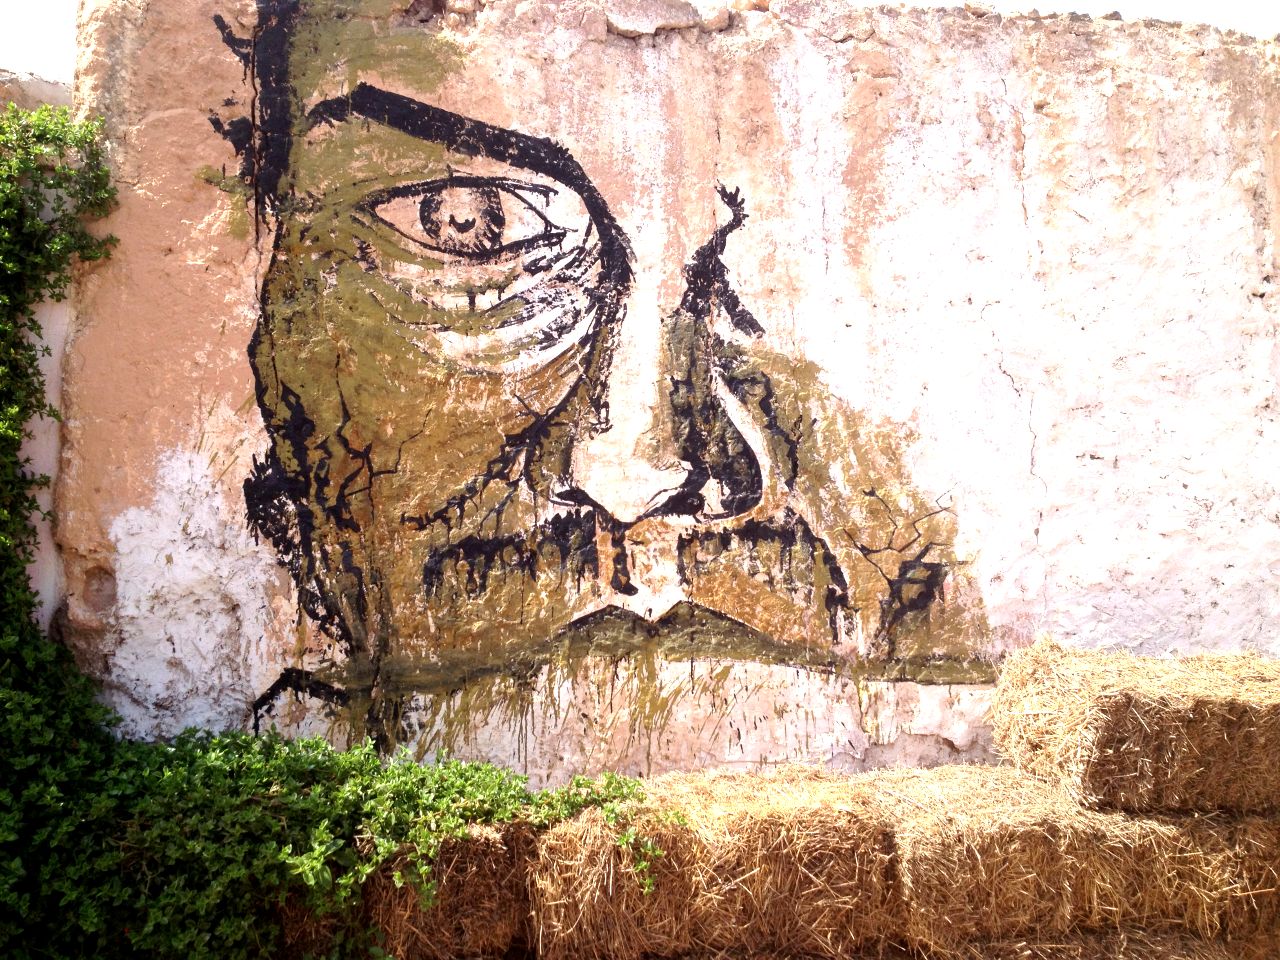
point(687, 632)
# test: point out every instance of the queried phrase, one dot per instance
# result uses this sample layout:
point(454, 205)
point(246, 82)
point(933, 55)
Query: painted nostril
point(614, 471)
point(568, 495)
point(684, 502)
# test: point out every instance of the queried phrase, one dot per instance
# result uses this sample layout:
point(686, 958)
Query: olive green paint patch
point(241, 194)
point(881, 529)
point(340, 42)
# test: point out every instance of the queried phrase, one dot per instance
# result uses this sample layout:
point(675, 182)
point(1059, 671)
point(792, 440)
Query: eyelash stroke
point(483, 191)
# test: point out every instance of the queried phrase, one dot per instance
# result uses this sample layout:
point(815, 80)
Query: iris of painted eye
point(476, 218)
point(463, 220)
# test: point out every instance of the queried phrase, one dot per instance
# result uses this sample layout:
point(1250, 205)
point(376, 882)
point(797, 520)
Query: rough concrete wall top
point(29, 91)
point(650, 383)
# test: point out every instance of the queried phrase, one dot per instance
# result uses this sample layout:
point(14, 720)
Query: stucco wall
point(652, 385)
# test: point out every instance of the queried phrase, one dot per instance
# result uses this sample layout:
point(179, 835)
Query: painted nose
point(628, 465)
point(668, 444)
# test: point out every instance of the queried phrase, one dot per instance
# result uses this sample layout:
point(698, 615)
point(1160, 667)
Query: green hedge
point(116, 849)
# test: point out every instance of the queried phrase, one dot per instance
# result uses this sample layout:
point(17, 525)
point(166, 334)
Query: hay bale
point(808, 863)
point(1119, 945)
point(589, 900)
point(304, 932)
point(783, 862)
point(988, 854)
point(1144, 734)
point(480, 907)
point(795, 862)
point(1124, 945)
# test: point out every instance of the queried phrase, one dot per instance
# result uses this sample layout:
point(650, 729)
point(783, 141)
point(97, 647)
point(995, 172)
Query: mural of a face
point(518, 419)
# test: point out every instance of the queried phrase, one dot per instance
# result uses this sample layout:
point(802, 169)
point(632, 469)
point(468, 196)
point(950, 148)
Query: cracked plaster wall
point(1038, 253)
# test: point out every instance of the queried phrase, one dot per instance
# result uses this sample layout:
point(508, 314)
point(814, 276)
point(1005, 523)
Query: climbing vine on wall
point(54, 740)
point(53, 177)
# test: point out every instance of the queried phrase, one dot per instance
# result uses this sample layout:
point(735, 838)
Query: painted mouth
point(686, 632)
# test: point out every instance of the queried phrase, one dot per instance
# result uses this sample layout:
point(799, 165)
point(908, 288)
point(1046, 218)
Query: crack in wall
point(1032, 453)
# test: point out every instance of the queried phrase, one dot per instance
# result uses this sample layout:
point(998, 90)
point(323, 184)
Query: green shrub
point(215, 832)
point(52, 176)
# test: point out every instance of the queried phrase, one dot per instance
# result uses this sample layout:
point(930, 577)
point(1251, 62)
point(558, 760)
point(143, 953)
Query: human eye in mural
point(486, 263)
point(468, 217)
point(506, 438)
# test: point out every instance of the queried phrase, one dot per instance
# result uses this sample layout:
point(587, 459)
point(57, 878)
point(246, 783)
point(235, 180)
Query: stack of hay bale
point(1139, 820)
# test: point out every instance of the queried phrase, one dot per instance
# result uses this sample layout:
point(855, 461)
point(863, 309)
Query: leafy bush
point(183, 850)
point(213, 833)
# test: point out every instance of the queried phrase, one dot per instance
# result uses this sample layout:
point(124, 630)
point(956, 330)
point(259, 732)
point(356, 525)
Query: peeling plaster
point(189, 608)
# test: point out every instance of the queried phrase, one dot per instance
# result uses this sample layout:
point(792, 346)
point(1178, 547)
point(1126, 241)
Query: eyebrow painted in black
point(475, 138)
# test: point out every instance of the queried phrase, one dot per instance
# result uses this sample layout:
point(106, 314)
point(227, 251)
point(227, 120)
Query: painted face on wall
point(519, 414)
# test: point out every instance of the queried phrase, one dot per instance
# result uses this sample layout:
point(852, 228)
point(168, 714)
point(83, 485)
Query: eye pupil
point(464, 219)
